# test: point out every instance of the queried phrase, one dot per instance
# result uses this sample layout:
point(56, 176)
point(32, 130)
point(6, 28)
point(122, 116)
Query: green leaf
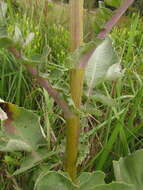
point(15, 145)
point(102, 58)
point(97, 96)
point(6, 42)
point(54, 181)
point(79, 54)
point(88, 180)
point(130, 170)
point(114, 3)
point(114, 72)
point(114, 186)
point(22, 130)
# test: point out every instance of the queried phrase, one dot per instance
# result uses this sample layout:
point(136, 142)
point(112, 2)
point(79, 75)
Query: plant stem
point(45, 84)
point(106, 29)
point(72, 136)
point(76, 23)
point(115, 18)
point(76, 83)
point(77, 77)
point(51, 91)
point(73, 124)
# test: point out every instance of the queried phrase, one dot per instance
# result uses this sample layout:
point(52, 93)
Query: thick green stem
point(72, 134)
point(76, 83)
point(73, 124)
point(77, 77)
point(76, 23)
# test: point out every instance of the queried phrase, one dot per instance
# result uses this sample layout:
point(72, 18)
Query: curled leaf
point(114, 72)
point(28, 39)
point(102, 58)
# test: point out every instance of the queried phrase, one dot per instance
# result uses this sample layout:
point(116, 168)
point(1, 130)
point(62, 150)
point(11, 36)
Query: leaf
point(130, 170)
point(114, 72)
point(28, 39)
point(54, 181)
point(114, 186)
point(79, 54)
point(114, 3)
point(102, 58)
point(6, 42)
point(33, 159)
point(15, 145)
point(21, 130)
point(88, 180)
point(104, 99)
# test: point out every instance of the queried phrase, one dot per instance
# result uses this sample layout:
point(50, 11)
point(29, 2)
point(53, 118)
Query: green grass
point(108, 132)
point(119, 129)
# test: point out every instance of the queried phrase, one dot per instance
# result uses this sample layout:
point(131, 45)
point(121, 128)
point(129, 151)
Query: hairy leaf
point(130, 170)
point(114, 186)
point(28, 39)
point(88, 180)
point(21, 129)
point(54, 181)
point(114, 72)
point(102, 58)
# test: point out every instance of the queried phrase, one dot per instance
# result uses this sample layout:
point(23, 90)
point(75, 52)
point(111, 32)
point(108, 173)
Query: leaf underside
point(102, 58)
